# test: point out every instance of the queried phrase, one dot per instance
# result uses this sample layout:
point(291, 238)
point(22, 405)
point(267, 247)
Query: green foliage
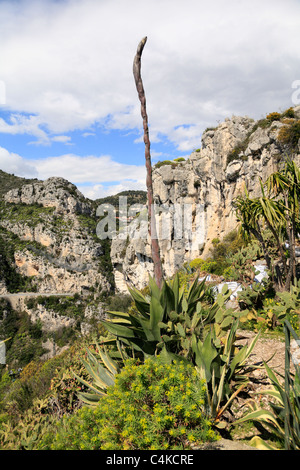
point(222, 257)
point(223, 366)
point(237, 153)
point(179, 325)
point(164, 162)
point(274, 116)
point(282, 420)
point(254, 295)
point(22, 213)
point(10, 181)
point(277, 210)
point(15, 282)
point(289, 134)
point(43, 392)
point(287, 306)
point(102, 369)
point(34, 424)
point(151, 406)
point(133, 197)
point(119, 302)
point(288, 113)
point(167, 320)
point(25, 343)
point(70, 306)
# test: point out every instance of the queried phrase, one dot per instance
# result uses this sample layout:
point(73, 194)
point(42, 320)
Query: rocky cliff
point(58, 248)
point(234, 155)
point(53, 267)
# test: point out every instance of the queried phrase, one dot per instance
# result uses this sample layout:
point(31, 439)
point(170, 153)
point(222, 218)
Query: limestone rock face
point(59, 252)
point(53, 192)
point(196, 196)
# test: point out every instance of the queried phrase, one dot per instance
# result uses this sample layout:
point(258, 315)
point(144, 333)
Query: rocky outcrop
point(65, 256)
point(53, 192)
point(197, 196)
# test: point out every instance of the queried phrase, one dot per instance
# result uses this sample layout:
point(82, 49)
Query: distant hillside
point(133, 197)
point(10, 181)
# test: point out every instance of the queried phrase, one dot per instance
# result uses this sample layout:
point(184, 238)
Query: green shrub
point(274, 116)
point(289, 134)
point(151, 406)
point(34, 423)
point(288, 113)
point(196, 264)
point(282, 419)
point(163, 163)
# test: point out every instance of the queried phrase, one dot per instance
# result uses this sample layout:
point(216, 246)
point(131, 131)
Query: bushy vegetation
point(9, 244)
point(151, 406)
point(174, 163)
point(21, 213)
point(166, 366)
point(10, 181)
point(288, 135)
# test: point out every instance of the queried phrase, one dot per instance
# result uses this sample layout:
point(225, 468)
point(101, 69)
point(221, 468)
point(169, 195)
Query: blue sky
point(68, 103)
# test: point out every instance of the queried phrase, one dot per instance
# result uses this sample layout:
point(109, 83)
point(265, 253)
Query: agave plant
point(225, 368)
point(274, 419)
point(283, 418)
point(102, 369)
point(169, 319)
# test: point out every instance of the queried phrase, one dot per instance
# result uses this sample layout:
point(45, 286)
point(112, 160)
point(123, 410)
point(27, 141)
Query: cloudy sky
point(68, 103)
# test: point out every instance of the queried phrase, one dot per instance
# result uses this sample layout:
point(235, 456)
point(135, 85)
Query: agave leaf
point(118, 330)
point(111, 365)
point(176, 291)
point(155, 290)
point(167, 298)
point(119, 314)
point(89, 385)
point(261, 415)
point(260, 444)
point(243, 354)
point(90, 399)
point(156, 316)
point(195, 293)
point(205, 354)
point(141, 303)
point(101, 377)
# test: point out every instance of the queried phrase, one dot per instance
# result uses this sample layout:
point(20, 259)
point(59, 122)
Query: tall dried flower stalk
point(158, 274)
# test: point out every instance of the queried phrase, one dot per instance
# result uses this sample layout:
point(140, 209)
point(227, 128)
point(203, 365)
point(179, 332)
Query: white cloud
point(13, 163)
point(65, 139)
point(99, 190)
point(92, 169)
point(68, 64)
point(105, 175)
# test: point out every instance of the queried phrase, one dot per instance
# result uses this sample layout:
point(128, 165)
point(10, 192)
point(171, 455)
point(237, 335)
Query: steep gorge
point(49, 244)
point(233, 156)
